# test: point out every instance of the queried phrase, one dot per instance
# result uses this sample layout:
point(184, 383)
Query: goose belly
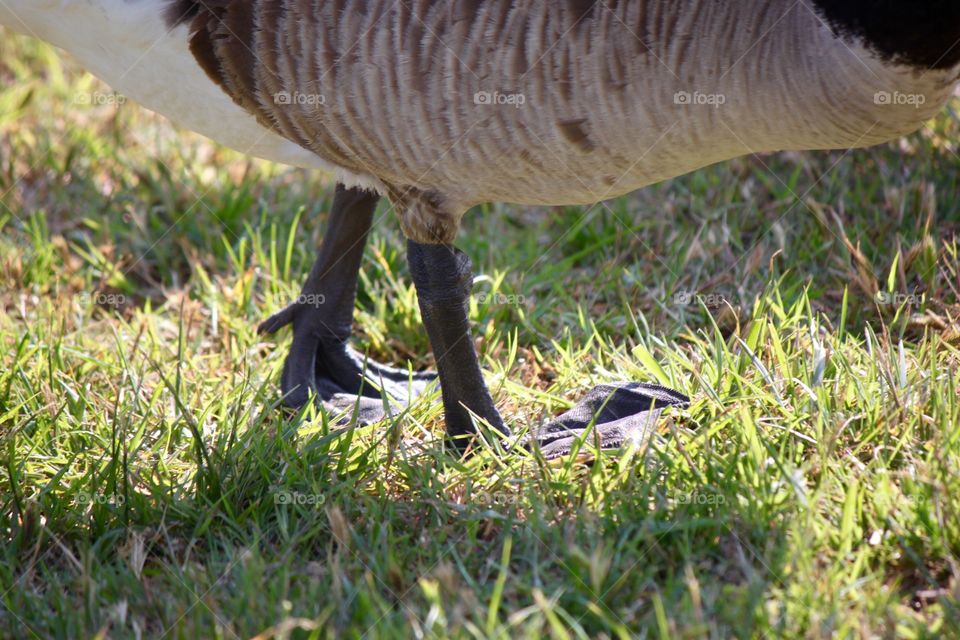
point(522, 101)
point(506, 100)
point(625, 117)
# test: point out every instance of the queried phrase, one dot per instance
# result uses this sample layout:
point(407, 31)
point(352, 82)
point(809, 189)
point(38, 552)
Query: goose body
point(440, 105)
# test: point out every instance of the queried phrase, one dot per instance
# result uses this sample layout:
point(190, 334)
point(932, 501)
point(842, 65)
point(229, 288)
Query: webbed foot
point(610, 416)
point(342, 381)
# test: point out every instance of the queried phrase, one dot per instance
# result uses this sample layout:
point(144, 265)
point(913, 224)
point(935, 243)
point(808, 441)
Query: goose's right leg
point(320, 359)
point(611, 415)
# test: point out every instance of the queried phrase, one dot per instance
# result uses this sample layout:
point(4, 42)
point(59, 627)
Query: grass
point(150, 487)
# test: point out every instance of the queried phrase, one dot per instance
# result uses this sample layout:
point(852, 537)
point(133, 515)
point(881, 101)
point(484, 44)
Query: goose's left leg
point(321, 362)
point(611, 415)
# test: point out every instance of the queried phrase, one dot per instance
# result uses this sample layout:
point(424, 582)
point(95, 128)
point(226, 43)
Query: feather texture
point(442, 105)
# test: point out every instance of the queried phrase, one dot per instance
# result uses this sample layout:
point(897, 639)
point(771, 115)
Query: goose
point(441, 105)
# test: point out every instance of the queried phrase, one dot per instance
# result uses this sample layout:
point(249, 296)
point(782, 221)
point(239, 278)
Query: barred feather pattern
point(453, 103)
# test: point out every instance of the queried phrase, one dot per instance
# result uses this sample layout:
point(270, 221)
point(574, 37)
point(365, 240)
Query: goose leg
point(320, 359)
point(443, 277)
point(611, 415)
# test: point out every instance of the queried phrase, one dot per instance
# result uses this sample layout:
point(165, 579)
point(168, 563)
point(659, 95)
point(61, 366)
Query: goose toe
point(609, 417)
point(350, 388)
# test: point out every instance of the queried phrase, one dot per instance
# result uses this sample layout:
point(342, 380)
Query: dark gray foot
point(341, 380)
point(610, 416)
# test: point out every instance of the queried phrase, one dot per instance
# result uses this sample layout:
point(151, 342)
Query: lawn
point(150, 485)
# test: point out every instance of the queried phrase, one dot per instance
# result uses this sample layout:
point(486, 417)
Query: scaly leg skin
point(610, 415)
point(320, 360)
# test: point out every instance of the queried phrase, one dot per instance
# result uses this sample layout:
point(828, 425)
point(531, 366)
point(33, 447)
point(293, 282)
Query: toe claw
point(277, 321)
